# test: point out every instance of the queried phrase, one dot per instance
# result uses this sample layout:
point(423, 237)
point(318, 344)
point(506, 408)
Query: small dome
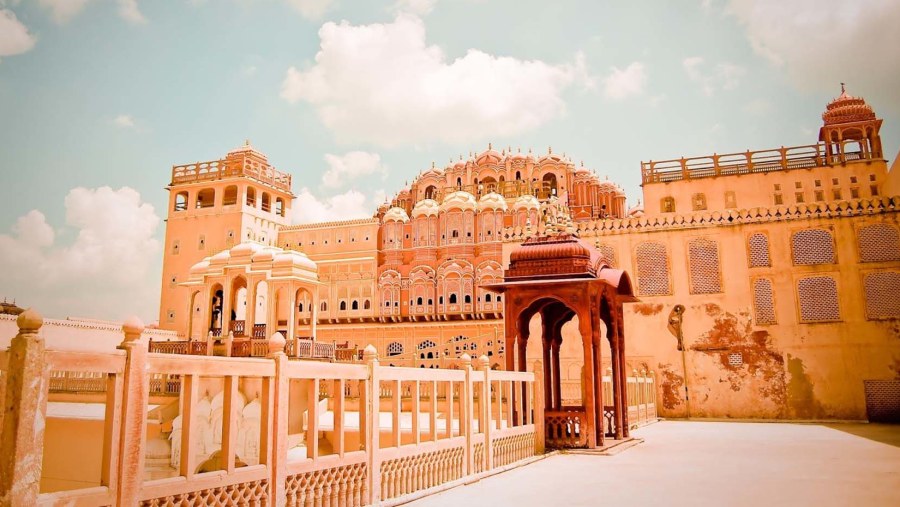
point(527, 201)
point(636, 211)
point(492, 201)
point(200, 267)
point(488, 156)
point(459, 200)
point(847, 109)
point(554, 256)
point(266, 254)
point(396, 214)
point(608, 186)
point(245, 250)
point(220, 258)
point(426, 207)
point(294, 259)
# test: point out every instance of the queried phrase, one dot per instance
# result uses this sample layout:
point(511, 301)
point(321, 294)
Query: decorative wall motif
point(652, 269)
point(812, 246)
point(253, 493)
point(763, 301)
point(341, 485)
point(703, 258)
point(882, 295)
point(878, 243)
point(818, 299)
point(759, 250)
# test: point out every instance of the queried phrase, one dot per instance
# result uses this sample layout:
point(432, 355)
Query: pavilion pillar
point(598, 376)
point(588, 382)
point(548, 391)
point(616, 379)
point(250, 315)
point(314, 313)
point(626, 431)
point(227, 295)
point(555, 382)
point(292, 319)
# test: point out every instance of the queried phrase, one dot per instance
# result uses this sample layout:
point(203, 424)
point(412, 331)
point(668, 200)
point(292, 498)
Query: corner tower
point(213, 206)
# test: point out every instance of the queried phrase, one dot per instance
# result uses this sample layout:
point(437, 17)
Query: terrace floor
point(709, 464)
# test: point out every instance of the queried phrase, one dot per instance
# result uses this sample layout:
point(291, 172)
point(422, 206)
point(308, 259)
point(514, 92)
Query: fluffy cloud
point(351, 204)
point(14, 36)
point(820, 43)
point(128, 10)
point(125, 121)
point(420, 7)
point(722, 76)
point(109, 270)
point(624, 83)
point(343, 169)
point(382, 84)
point(63, 10)
point(310, 9)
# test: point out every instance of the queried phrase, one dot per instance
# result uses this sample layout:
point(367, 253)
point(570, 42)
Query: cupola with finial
point(850, 130)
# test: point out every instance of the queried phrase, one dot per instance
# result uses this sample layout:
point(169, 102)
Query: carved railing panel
point(565, 428)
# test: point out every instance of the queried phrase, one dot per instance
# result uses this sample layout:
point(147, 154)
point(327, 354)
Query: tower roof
point(846, 109)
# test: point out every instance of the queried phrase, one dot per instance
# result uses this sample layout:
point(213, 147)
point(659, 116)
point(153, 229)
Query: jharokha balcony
point(749, 162)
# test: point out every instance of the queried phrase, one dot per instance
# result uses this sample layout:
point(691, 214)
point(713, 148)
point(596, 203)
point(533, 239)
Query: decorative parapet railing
point(231, 167)
point(293, 443)
point(749, 162)
point(836, 209)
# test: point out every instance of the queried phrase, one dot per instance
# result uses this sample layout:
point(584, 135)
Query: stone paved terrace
point(709, 464)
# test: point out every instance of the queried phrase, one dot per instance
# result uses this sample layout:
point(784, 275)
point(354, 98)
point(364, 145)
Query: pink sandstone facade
point(785, 262)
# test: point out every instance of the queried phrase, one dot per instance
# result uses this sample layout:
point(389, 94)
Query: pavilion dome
point(846, 109)
point(554, 255)
point(526, 201)
point(426, 207)
point(265, 254)
point(492, 201)
point(489, 156)
point(459, 200)
point(294, 259)
point(396, 214)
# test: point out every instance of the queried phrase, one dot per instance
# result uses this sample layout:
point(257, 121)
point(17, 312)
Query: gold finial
point(842, 88)
point(246, 142)
point(490, 147)
point(432, 164)
point(550, 150)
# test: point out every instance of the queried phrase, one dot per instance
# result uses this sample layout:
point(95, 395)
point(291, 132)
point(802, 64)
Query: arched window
point(518, 175)
point(452, 299)
point(324, 306)
point(394, 349)
point(229, 198)
point(206, 198)
point(487, 297)
point(354, 305)
point(440, 300)
point(266, 202)
point(181, 200)
point(429, 192)
point(419, 301)
point(300, 307)
point(458, 182)
point(467, 299)
point(549, 181)
point(367, 305)
point(279, 206)
point(251, 196)
point(343, 306)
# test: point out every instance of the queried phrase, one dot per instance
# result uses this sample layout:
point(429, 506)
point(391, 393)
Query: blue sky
point(355, 98)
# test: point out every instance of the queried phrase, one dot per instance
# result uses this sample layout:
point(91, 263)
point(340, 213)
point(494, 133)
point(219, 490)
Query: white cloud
point(343, 169)
point(420, 7)
point(624, 83)
point(820, 43)
point(248, 70)
point(14, 36)
point(723, 76)
point(351, 204)
point(62, 11)
point(311, 9)
point(110, 269)
point(124, 120)
point(382, 84)
point(129, 11)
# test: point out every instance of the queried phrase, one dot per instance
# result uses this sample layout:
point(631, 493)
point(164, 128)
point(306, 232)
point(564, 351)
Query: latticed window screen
point(652, 269)
point(818, 298)
point(703, 255)
point(764, 301)
point(608, 252)
point(759, 250)
point(882, 295)
point(878, 243)
point(394, 349)
point(812, 246)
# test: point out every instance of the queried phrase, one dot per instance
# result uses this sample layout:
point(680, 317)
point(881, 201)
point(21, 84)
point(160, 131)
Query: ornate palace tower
point(212, 207)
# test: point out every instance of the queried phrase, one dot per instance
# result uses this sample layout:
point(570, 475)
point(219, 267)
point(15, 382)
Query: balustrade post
point(372, 426)
point(229, 344)
point(465, 417)
point(133, 430)
point(539, 422)
point(210, 340)
point(486, 425)
point(24, 414)
point(279, 423)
